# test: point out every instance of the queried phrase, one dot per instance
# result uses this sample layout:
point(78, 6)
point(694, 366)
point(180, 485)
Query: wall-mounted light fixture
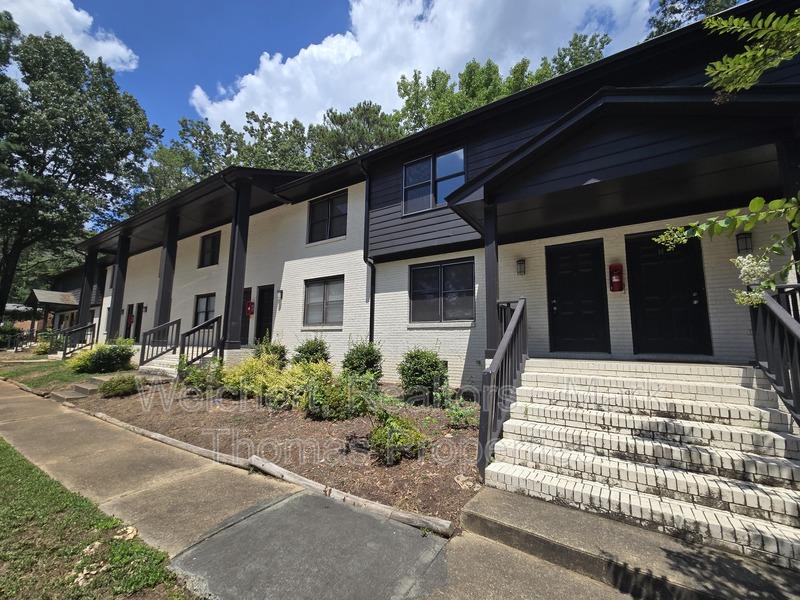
point(744, 243)
point(520, 266)
point(280, 294)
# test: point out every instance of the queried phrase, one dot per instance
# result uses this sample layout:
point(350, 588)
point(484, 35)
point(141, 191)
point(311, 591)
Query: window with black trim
point(204, 308)
point(209, 250)
point(428, 181)
point(443, 291)
point(324, 302)
point(327, 218)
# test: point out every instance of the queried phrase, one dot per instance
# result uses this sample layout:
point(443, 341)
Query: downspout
point(369, 262)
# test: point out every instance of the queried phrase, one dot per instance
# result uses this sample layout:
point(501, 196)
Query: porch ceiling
point(205, 205)
point(710, 184)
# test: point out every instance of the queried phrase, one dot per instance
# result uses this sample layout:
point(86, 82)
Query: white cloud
point(390, 37)
point(61, 17)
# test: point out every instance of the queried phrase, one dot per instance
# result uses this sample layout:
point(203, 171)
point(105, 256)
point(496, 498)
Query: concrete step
point(740, 415)
point(151, 370)
point(645, 564)
point(650, 387)
point(699, 433)
point(776, 504)
point(67, 395)
point(86, 388)
point(766, 541)
point(734, 464)
point(747, 376)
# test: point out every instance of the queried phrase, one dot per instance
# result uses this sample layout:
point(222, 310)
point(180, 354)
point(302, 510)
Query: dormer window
point(428, 181)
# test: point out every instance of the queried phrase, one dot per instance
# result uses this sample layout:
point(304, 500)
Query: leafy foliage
point(461, 414)
point(265, 347)
point(257, 377)
point(312, 350)
point(362, 358)
point(103, 358)
point(202, 377)
point(72, 145)
point(422, 373)
point(435, 98)
point(117, 386)
point(395, 438)
point(770, 41)
point(671, 14)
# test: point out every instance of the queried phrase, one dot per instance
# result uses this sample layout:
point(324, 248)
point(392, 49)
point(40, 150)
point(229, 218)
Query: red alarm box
point(249, 308)
point(616, 278)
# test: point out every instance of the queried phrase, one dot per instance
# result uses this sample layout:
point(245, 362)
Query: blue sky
point(296, 58)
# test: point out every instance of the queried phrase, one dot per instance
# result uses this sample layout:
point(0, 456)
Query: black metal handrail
point(159, 341)
point(77, 338)
point(499, 380)
point(202, 340)
point(776, 338)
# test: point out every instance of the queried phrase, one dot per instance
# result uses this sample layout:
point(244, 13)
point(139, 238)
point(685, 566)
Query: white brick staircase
point(703, 452)
point(166, 365)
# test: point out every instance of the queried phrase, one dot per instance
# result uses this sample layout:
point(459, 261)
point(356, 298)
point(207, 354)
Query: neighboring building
point(59, 304)
point(553, 195)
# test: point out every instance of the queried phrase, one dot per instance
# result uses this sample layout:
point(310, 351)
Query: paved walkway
point(237, 535)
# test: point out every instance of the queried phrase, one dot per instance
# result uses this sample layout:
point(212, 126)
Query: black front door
point(264, 307)
point(669, 313)
point(244, 338)
point(137, 324)
point(576, 297)
point(129, 321)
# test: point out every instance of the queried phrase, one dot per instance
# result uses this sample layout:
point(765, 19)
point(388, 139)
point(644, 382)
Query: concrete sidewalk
point(237, 535)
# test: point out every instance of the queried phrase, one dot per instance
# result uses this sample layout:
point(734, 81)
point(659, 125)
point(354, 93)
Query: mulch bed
point(438, 483)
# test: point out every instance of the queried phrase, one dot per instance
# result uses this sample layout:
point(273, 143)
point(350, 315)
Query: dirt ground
point(437, 483)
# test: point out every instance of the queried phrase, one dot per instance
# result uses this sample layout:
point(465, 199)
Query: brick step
point(150, 369)
point(758, 441)
point(747, 466)
point(776, 504)
point(740, 415)
point(743, 375)
point(770, 542)
point(653, 388)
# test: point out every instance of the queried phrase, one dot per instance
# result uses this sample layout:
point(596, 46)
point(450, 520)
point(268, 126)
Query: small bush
point(47, 343)
point(461, 414)
point(117, 386)
point(313, 350)
point(264, 347)
point(256, 377)
point(396, 438)
point(363, 358)
point(422, 373)
point(200, 377)
point(103, 358)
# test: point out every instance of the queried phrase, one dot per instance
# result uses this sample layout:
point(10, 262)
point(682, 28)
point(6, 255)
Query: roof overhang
point(778, 104)
point(52, 300)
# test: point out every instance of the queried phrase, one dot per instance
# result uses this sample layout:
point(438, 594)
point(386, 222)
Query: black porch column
point(87, 286)
point(237, 260)
point(166, 270)
point(491, 278)
point(34, 308)
point(789, 161)
point(118, 289)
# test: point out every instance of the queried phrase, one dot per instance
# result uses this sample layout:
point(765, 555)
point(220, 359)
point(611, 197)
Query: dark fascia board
point(643, 99)
point(202, 188)
point(630, 55)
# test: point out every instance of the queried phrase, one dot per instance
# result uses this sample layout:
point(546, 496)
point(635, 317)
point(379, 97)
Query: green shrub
point(264, 347)
point(461, 414)
point(117, 386)
point(395, 438)
point(103, 358)
point(200, 377)
point(256, 377)
point(313, 350)
point(47, 343)
point(363, 358)
point(422, 373)
point(8, 332)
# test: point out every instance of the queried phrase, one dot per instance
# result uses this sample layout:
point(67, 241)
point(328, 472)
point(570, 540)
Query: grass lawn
point(57, 544)
point(46, 376)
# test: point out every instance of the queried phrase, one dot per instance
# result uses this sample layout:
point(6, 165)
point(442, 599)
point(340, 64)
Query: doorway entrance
point(265, 305)
point(669, 310)
point(577, 305)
